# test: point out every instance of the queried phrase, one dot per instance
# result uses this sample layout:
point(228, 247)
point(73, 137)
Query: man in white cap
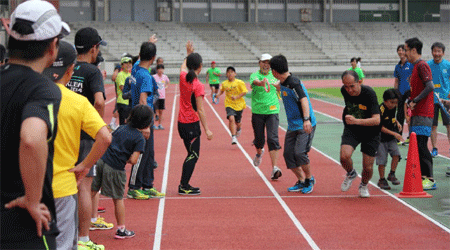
point(29, 109)
point(265, 109)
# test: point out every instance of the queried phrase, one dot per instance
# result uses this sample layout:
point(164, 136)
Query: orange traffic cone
point(412, 185)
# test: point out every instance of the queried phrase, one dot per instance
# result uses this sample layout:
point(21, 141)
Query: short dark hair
point(160, 66)
point(401, 46)
point(141, 116)
point(415, 43)
point(159, 58)
point(390, 94)
point(147, 51)
point(353, 59)
point(352, 73)
point(438, 45)
point(26, 50)
point(279, 63)
point(231, 68)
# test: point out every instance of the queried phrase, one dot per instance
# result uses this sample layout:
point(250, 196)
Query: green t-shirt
point(120, 81)
point(264, 103)
point(359, 72)
point(213, 79)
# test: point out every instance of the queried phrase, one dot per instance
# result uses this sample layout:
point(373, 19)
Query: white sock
point(93, 220)
point(83, 238)
point(113, 121)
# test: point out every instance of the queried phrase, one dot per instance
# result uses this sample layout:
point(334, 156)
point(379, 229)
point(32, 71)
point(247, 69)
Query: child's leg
point(394, 162)
point(119, 211)
point(160, 114)
point(298, 172)
point(232, 124)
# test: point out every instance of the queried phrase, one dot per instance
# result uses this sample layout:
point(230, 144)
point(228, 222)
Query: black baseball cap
point(67, 55)
point(88, 37)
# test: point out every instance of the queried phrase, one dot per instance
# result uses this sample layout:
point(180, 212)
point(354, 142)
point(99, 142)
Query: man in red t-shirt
point(421, 104)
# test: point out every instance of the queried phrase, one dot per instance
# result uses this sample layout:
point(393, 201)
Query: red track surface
point(238, 210)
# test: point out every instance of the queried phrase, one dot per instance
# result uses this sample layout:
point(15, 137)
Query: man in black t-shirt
point(29, 111)
point(361, 119)
point(87, 80)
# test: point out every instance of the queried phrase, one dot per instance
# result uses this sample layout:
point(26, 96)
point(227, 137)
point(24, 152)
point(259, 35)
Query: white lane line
point(271, 188)
point(162, 202)
point(384, 191)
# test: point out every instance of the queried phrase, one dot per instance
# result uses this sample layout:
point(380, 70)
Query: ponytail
point(193, 62)
point(191, 76)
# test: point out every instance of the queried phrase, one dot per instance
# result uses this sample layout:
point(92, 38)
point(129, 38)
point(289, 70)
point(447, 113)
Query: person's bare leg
point(367, 168)
point(95, 200)
point(232, 125)
point(274, 157)
point(346, 157)
point(433, 136)
point(84, 206)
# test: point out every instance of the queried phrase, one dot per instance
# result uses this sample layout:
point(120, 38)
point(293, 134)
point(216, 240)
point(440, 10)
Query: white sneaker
point(363, 191)
point(257, 160)
point(347, 183)
point(233, 140)
point(276, 173)
point(238, 133)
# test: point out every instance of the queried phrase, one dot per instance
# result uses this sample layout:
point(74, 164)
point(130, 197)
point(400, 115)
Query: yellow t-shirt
point(75, 114)
point(234, 88)
point(120, 81)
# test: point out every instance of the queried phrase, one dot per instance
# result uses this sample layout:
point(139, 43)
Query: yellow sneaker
point(101, 224)
point(89, 246)
point(152, 192)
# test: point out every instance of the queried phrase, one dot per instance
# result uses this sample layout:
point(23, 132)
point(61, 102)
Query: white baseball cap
point(43, 18)
point(265, 57)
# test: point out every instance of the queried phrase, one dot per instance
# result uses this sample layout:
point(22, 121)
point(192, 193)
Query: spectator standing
point(28, 120)
point(440, 68)
point(163, 82)
point(422, 110)
point(358, 70)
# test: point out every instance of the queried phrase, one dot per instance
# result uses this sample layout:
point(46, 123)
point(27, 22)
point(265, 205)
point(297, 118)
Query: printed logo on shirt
point(444, 71)
point(437, 85)
point(273, 107)
point(362, 107)
point(393, 120)
point(284, 93)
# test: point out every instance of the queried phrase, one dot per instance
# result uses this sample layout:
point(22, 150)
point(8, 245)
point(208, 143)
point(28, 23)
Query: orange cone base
point(422, 194)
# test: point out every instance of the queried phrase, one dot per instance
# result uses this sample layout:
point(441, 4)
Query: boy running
point(301, 124)
point(390, 133)
point(213, 78)
point(235, 91)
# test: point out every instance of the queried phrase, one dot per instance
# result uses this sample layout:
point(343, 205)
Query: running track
point(240, 208)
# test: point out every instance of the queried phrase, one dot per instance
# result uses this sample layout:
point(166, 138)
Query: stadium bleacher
point(309, 47)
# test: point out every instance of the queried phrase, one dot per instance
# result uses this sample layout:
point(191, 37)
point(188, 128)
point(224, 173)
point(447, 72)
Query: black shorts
point(369, 144)
point(237, 114)
point(445, 119)
point(189, 131)
point(160, 104)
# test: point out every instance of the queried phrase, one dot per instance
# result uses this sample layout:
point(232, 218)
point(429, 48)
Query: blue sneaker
point(309, 189)
point(297, 187)
point(213, 98)
point(434, 152)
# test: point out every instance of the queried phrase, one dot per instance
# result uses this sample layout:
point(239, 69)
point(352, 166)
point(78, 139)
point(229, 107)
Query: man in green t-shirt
point(213, 78)
point(265, 109)
point(358, 70)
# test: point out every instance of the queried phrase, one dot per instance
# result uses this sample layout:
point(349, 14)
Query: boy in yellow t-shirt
point(235, 91)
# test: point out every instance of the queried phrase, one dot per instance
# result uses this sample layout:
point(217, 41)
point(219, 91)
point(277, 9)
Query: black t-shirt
point(86, 80)
point(388, 121)
point(362, 106)
point(24, 94)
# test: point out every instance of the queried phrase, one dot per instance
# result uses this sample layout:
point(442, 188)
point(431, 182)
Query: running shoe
point(152, 193)
point(136, 194)
point(276, 173)
point(297, 187)
point(101, 224)
point(363, 191)
point(189, 190)
point(125, 234)
point(101, 209)
point(347, 183)
point(213, 98)
point(160, 127)
point(89, 246)
point(156, 117)
point(234, 141)
point(427, 184)
point(393, 179)
point(238, 133)
point(309, 189)
point(217, 100)
point(434, 152)
point(383, 184)
point(258, 158)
